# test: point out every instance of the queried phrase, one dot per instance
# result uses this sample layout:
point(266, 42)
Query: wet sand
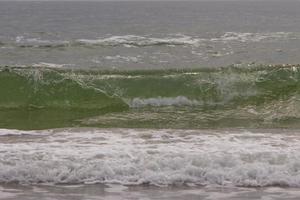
point(119, 192)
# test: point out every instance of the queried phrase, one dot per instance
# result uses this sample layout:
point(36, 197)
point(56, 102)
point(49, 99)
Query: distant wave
point(140, 41)
point(144, 41)
point(40, 43)
point(252, 37)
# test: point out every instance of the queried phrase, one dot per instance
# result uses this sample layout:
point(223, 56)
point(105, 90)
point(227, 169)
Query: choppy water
point(143, 99)
point(143, 35)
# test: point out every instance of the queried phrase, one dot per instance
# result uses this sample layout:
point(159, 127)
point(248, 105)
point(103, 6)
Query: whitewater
point(211, 164)
point(149, 100)
point(154, 157)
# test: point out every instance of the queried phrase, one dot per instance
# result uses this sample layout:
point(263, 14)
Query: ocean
point(150, 100)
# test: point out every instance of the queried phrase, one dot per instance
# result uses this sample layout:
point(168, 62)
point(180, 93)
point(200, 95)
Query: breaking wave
point(259, 95)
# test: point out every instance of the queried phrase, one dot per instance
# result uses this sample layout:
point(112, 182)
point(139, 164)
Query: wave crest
point(163, 101)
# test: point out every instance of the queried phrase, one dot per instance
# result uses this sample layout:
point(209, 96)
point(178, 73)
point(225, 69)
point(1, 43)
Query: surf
point(266, 94)
point(167, 157)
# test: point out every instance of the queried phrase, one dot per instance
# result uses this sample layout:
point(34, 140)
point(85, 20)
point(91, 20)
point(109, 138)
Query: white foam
point(135, 40)
point(13, 132)
point(163, 101)
point(119, 58)
point(180, 39)
point(251, 37)
point(157, 157)
point(49, 65)
point(147, 40)
point(7, 195)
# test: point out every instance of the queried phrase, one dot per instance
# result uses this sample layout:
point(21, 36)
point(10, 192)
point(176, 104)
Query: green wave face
point(261, 96)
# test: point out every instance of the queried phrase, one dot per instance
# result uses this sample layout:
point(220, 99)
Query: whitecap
point(162, 101)
point(251, 37)
point(134, 40)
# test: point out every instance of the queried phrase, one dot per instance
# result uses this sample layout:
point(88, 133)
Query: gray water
point(148, 35)
point(197, 133)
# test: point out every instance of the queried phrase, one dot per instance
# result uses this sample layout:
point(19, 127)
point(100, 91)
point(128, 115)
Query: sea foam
point(163, 101)
point(156, 157)
point(135, 40)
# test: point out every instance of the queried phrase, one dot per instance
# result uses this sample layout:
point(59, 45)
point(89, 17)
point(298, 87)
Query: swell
point(271, 92)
